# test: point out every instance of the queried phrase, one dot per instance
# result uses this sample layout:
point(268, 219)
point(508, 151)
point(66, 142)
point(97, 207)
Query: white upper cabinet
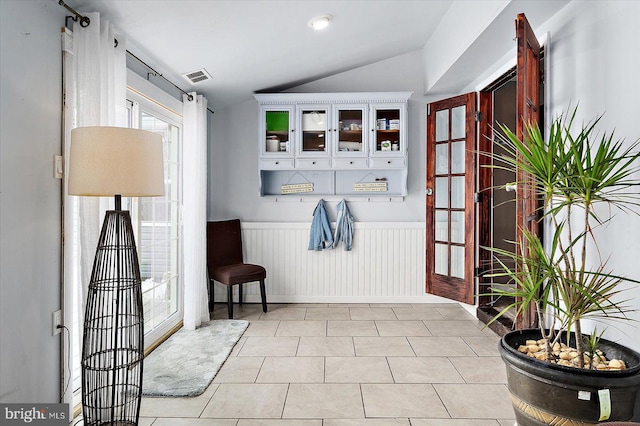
point(333, 143)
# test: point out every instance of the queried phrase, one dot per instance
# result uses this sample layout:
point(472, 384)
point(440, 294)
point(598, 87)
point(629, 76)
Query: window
point(156, 222)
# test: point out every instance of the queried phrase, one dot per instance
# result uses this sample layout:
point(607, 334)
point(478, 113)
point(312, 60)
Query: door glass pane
point(441, 259)
point(387, 127)
point(457, 227)
point(442, 192)
point(457, 262)
point(457, 192)
point(314, 131)
point(442, 125)
point(158, 239)
point(458, 122)
point(350, 130)
point(442, 159)
point(442, 225)
point(277, 134)
point(457, 157)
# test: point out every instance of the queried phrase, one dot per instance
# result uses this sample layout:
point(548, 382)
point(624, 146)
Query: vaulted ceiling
point(257, 45)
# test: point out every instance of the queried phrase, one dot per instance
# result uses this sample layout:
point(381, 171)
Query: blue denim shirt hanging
point(321, 236)
point(344, 226)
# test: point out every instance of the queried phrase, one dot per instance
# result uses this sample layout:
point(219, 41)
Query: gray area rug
point(186, 362)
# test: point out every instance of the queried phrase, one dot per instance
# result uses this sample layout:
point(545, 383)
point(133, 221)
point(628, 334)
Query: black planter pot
point(551, 394)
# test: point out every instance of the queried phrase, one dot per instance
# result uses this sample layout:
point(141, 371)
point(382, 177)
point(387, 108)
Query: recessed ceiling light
point(319, 22)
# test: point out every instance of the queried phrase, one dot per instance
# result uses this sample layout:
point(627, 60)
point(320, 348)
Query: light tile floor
point(350, 365)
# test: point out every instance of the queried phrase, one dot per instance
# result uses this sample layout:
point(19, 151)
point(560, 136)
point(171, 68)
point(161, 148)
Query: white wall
point(593, 62)
point(463, 23)
point(30, 126)
point(233, 151)
point(472, 37)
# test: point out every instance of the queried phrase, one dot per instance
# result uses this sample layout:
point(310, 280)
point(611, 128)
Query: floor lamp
point(114, 161)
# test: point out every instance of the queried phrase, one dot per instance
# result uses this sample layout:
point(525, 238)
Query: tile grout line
point(285, 401)
point(264, 358)
point(364, 409)
point(390, 370)
point(441, 401)
point(456, 368)
point(208, 402)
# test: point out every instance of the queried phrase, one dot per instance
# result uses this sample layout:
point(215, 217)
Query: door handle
point(428, 191)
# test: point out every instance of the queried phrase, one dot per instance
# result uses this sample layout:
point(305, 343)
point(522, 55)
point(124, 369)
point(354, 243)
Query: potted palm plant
point(556, 374)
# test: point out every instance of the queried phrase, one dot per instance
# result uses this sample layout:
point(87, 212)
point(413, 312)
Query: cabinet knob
point(350, 162)
point(277, 162)
point(389, 162)
point(313, 162)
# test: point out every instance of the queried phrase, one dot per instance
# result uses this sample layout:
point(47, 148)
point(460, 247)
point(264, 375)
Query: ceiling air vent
point(197, 76)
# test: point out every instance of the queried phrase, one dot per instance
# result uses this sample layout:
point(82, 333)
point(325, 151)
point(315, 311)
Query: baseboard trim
point(426, 299)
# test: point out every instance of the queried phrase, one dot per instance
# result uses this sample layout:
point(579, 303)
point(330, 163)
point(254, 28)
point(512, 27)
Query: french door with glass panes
point(156, 221)
point(451, 137)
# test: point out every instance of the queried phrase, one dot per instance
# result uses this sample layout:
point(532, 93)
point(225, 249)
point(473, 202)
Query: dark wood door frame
point(484, 206)
point(527, 112)
point(527, 72)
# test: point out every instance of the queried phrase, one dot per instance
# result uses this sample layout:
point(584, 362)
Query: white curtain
point(194, 211)
point(98, 85)
point(95, 95)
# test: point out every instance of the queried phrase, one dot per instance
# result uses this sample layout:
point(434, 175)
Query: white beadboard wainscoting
point(386, 264)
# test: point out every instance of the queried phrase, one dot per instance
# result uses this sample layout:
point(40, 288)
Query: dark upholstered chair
point(225, 262)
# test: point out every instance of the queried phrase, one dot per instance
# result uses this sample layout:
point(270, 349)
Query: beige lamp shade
point(107, 161)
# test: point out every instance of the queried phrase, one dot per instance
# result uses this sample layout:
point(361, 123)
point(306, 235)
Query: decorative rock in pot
point(546, 393)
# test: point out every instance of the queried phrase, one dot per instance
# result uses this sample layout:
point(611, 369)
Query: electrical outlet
point(57, 320)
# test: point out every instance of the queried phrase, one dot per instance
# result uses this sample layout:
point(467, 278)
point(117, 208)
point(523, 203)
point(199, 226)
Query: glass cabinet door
point(277, 131)
point(314, 131)
point(350, 124)
point(388, 130)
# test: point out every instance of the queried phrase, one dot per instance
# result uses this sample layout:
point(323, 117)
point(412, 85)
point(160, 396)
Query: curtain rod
point(157, 74)
point(85, 21)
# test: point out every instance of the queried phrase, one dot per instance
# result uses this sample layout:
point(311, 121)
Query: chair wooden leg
point(230, 300)
point(239, 294)
point(263, 296)
point(211, 296)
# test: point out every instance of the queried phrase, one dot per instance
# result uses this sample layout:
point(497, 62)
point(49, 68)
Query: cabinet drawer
point(388, 163)
point(311, 163)
point(350, 163)
point(276, 163)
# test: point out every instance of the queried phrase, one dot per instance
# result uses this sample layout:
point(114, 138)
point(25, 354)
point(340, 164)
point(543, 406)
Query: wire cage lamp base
point(113, 336)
